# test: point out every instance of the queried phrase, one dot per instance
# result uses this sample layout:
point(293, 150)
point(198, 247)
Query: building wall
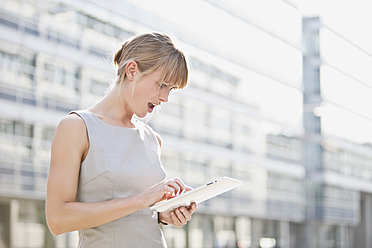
point(231, 120)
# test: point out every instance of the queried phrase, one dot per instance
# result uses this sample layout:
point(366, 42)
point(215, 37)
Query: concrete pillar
point(4, 224)
point(284, 234)
point(362, 233)
point(312, 149)
point(14, 215)
point(368, 219)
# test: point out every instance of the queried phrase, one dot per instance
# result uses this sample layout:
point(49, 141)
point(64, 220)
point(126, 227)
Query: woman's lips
point(151, 107)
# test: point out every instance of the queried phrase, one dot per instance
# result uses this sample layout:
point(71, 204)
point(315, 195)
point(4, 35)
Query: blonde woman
point(105, 169)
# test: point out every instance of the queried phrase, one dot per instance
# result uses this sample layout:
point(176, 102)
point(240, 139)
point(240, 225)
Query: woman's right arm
point(63, 213)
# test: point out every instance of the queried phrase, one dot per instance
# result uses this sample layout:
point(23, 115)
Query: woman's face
point(148, 92)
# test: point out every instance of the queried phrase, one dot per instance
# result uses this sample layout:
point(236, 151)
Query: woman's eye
point(162, 85)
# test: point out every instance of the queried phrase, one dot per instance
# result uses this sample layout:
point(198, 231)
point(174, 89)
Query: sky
point(221, 33)
point(344, 16)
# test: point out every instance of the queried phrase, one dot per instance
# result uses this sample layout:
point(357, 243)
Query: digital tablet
point(198, 195)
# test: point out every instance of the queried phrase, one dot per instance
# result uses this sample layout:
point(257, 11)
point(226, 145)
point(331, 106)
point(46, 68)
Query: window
point(97, 87)
point(47, 134)
point(6, 126)
point(62, 74)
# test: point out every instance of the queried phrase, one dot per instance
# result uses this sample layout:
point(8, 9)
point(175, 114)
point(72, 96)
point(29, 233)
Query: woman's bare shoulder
point(70, 136)
point(71, 125)
point(72, 121)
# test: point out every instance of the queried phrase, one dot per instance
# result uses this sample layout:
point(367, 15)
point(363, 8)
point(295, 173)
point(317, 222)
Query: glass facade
point(249, 115)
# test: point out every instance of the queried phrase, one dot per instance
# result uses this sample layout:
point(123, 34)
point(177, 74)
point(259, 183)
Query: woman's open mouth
point(151, 107)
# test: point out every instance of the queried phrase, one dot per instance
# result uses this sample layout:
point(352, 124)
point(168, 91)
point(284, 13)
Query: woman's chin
point(142, 115)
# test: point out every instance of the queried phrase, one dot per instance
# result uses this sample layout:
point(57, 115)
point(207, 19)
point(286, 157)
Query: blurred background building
point(276, 99)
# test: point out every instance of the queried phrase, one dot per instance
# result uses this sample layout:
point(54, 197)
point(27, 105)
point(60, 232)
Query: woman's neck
point(113, 108)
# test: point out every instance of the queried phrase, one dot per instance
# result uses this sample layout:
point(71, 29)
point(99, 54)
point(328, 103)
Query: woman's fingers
point(163, 190)
point(192, 208)
point(180, 216)
point(186, 215)
point(169, 189)
point(177, 184)
point(188, 188)
point(180, 183)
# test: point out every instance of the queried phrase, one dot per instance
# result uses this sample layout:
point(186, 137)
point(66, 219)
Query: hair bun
point(118, 55)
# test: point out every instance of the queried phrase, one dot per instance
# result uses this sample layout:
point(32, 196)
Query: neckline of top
point(134, 121)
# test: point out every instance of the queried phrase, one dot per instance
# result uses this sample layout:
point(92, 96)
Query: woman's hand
point(179, 216)
point(163, 190)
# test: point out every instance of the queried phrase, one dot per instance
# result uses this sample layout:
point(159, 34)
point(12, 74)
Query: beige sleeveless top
point(121, 162)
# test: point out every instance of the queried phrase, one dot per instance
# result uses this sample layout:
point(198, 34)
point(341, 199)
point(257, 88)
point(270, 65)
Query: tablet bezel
point(198, 195)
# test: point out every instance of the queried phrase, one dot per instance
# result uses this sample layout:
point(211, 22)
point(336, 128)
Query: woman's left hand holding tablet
point(179, 216)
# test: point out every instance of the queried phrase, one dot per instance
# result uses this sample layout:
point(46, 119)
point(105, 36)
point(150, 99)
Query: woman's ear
point(131, 69)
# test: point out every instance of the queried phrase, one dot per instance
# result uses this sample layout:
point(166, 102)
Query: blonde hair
point(153, 51)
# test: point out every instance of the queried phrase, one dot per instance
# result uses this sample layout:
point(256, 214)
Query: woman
point(105, 168)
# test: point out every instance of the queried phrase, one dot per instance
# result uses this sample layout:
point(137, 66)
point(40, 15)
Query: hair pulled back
point(153, 51)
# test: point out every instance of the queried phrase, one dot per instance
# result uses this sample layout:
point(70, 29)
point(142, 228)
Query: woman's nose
point(164, 94)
